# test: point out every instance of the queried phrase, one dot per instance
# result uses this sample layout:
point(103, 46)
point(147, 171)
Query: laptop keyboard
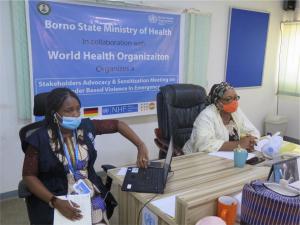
point(149, 177)
point(148, 180)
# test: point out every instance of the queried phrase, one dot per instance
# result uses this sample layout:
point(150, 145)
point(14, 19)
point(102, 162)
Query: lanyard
point(71, 167)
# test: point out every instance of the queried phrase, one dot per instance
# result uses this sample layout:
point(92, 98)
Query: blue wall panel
point(246, 50)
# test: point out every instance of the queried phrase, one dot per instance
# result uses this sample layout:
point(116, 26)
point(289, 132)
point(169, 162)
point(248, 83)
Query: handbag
point(261, 205)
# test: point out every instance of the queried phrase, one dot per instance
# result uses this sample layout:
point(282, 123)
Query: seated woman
point(221, 125)
point(61, 153)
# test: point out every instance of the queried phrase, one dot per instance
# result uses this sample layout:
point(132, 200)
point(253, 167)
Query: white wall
point(10, 151)
point(256, 102)
point(290, 107)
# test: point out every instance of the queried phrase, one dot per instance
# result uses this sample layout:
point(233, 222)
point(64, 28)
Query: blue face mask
point(70, 123)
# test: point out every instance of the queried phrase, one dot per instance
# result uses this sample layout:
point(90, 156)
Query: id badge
point(81, 187)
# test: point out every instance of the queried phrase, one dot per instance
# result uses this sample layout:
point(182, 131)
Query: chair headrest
point(39, 108)
point(184, 95)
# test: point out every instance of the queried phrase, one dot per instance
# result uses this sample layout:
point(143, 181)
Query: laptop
point(148, 180)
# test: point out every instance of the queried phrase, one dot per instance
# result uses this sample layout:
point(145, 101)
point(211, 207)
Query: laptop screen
point(168, 159)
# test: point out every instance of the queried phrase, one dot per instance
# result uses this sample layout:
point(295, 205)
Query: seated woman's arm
point(248, 133)
point(208, 141)
point(246, 142)
point(126, 131)
point(203, 137)
point(36, 187)
point(30, 172)
point(209, 135)
point(111, 126)
point(246, 127)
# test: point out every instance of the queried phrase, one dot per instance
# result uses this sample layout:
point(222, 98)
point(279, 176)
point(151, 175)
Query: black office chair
point(39, 109)
point(178, 105)
point(26, 131)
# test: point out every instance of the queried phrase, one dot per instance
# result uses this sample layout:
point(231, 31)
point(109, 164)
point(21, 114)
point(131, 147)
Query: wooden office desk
point(198, 180)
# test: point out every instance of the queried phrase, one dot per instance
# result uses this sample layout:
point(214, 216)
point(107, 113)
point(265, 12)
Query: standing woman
point(61, 153)
point(221, 125)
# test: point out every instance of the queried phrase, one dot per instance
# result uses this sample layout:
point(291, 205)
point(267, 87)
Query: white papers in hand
point(84, 201)
point(228, 155)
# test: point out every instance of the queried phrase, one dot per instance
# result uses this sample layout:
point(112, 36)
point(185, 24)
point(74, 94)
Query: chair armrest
point(158, 133)
point(163, 147)
point(108, 182)
point(161, 144)
point(23, 191)
point(106, 167)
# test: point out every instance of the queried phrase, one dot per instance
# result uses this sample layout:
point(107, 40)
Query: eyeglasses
point(230, 99)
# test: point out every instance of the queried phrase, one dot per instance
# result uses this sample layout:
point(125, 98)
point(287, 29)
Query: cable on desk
point(144, 207)
point(169, 176)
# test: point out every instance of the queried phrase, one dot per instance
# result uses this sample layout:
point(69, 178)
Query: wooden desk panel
point(198, 180)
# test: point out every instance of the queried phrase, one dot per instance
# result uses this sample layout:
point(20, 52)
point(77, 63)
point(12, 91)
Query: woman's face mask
point(229, 102)
point(69, 122)
point(231, 107)
point(68, 115)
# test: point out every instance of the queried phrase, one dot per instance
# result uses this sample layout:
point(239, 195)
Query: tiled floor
point(13, 211)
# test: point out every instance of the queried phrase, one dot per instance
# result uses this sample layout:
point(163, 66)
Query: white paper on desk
point(84, 201)
point(148, 217)
point(295, 185)
point(167, 205)
point(122, 171)
point(228, 155)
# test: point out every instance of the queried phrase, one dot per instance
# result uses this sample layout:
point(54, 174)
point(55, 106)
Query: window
point(289, 60)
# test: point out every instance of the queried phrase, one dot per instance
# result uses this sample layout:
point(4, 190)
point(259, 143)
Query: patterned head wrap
point(217, 91)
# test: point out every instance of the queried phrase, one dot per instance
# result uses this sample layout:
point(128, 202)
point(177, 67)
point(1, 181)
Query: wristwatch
point(52, 201)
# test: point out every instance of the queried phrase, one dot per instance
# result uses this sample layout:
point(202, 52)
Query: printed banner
point(114, 59)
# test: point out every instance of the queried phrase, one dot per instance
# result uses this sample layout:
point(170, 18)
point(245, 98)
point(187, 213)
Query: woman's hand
point(248, 142)
point(142, 157)
point(67, 210)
